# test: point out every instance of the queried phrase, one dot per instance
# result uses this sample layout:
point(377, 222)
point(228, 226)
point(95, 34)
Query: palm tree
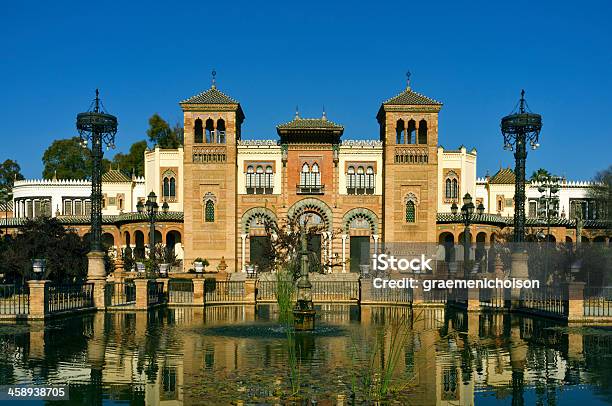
point(539, 174)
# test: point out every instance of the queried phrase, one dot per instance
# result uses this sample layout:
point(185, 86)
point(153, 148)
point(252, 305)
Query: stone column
point(575, 304)
point(199, 296)
point(518, 270)
point(249, 291)
point(96, 274)
point(142, 294)
point(39, 299)
point(376, 237)
point(344, 236)
point(243, 237)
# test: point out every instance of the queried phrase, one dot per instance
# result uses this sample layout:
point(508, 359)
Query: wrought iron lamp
point(519, 129)
point(467, 211)
point(151, 208)
point(97, 127)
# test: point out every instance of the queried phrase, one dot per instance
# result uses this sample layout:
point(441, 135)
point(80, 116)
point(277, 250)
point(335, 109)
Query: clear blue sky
point(349, 56)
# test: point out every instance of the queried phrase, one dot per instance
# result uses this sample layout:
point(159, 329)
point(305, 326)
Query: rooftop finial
point(214, 80)
point(408, 80)
point(97, 106)
point(522, 107)
point(324, 115)
point(297, 112)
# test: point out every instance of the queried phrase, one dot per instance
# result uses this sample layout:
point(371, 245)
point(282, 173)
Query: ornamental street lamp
point(97, 127)
point(548, 203)
point(519, 129)
point(152, 209)
point(467, 211)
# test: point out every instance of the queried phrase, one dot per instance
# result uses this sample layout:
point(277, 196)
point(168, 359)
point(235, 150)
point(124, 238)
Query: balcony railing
point(209, 154)
point(360, 190)
point(310, 189)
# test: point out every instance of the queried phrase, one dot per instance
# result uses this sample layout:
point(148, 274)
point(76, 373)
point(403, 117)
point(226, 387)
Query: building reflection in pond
point(183, 355)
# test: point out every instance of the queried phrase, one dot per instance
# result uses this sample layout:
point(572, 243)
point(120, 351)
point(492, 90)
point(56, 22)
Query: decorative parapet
point(411, 155)
point(258, 143)
point(361, 144)
point(52, 182)
point(209, 154)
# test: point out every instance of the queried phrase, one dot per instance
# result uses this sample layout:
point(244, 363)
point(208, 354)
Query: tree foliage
point(133, 161)
point(539, 174)
point(602, 192)
point(44, 238)
point(68, 159)
point(161, 134)
point(9, 172)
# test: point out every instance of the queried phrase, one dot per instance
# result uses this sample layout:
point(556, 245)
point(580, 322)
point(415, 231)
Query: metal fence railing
point(70, 297)
point(546, 299)
point(14, 299)
point(370, 294)
point(223, 291)
point(598, 301)
point(155, 293)
point(332, 291)
point(266, 291)
point(180, 291)
point(435, 296)
point(120, 293)
point(491, 298)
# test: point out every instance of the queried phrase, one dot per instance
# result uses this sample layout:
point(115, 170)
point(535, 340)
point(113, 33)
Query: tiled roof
point(410, 97)
point(210, 96)
point(115, 176)
point(310, 123)
point(503, 176)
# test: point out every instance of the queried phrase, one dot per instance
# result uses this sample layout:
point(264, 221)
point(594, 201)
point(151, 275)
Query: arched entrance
point(173, 242)
point(318, 214)
point(360, 225)
point(447, 240)
point(139, 251)
point(259, 245)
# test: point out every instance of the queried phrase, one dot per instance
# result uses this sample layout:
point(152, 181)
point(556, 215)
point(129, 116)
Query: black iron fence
point(180, 291)
point(333, 291)
point(155, 293)
point(224, 291)
point(598, 301)
point(14, 299)
point(70, 297)
point(546, 299)
point(120, 293)
point(492, 298)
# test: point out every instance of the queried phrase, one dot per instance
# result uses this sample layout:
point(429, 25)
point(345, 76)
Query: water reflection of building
point(183, 355)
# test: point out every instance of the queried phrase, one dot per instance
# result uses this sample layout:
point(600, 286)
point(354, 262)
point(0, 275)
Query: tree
point(160, 133)
point(10, 171)
point(45, 238)
point(602, 193)
point(133, 160)
point(68, 159)
point(539, 174)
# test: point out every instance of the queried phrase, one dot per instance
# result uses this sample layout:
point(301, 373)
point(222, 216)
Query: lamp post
point(99, 128)
point(152, 209)
point(467, 211)
point(548, 204)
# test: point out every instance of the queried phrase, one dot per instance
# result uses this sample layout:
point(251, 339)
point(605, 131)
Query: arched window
point(422, 132)
point(351, 183)
point(449, 189)
point(221, 131)
point(172, 187)
point(304, 175)
point(210, 131)
point(411, 132)
point(400, 130)
point(209, 211)
point(166, 191)
point(198, 131)
point(411, 203)
point(455, 188)
point(259, 177)
point(316, 176)
point(370, 180)
point(410, 215)
point(269, 180)
point(250, 179)
point(360, 178)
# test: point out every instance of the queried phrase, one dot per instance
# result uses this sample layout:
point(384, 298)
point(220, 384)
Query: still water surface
point(219, 355)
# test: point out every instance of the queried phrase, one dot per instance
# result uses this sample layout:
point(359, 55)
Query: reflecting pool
point(232, 354)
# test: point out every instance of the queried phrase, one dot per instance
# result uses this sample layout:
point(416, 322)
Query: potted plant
point(200, 264)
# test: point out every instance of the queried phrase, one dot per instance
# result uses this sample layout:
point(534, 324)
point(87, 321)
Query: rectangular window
point(533, 208)
point(88, 207)
point(29, 209)
point(509, 203)
point(67, 207)
point(78, 207)
point(112, 201)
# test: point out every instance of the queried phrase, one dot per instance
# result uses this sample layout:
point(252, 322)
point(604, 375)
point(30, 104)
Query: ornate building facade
point(222, 189)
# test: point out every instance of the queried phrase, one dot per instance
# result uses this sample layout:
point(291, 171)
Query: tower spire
point(214, 80)
point(97, 100)
point(297, 112)
point(408, 74)
point(324, 117)
point(522, 106)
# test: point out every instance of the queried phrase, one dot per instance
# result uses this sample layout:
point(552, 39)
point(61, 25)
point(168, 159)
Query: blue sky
point(473, 56)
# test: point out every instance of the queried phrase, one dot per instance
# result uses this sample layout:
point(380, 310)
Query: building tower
point(409, 132)
point(212, 122)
